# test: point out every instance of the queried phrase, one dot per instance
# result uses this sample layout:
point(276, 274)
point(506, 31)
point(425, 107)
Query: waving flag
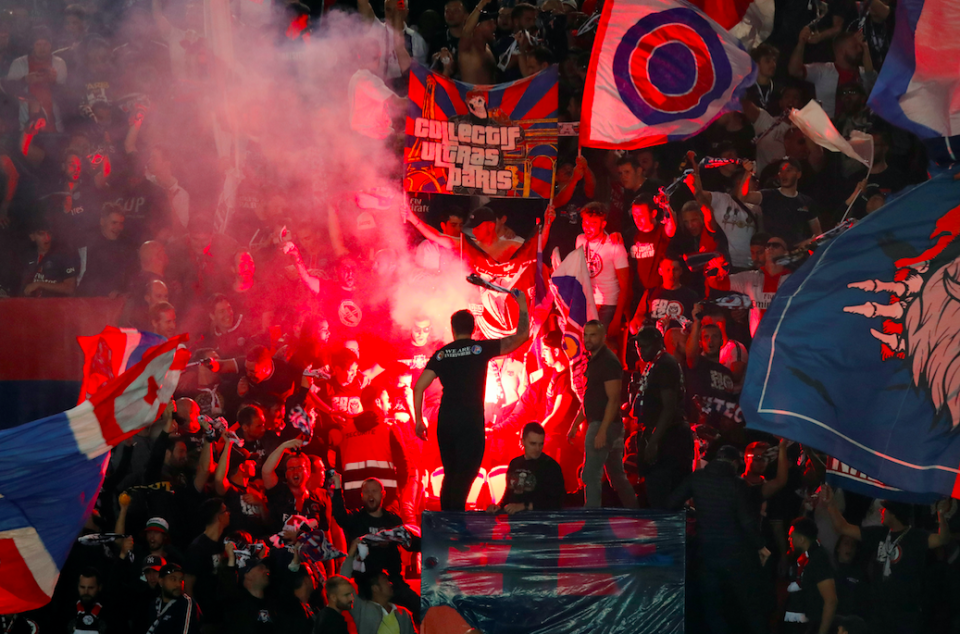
point(919, 87)
point(573, 294)
point(661, 71)
point(858, 355)
point(51, 470)
point(107, 355)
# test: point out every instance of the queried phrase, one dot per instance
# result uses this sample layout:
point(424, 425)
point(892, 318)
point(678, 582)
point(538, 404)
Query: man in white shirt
point(738, 220)
point(851, 63)
point(771, 130)
point(609, 268)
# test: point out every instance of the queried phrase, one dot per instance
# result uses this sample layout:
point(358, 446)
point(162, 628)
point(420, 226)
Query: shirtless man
point(475, 59)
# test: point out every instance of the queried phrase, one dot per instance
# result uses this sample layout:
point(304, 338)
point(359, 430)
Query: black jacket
point(358, 523)
point(726, 528)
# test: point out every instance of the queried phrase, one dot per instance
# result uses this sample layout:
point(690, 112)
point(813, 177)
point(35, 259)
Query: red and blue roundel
point(671, 66)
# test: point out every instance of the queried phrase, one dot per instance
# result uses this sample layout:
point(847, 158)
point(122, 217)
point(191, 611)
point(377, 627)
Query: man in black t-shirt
point(203, 557)
point(786, 212)
point(534, 480)
point(669, 301)
point(603, 444)
point(666, 443)
point(461, 367)
point(710, 387)
point(896, 554)
point(812, 593)
point(50, 270)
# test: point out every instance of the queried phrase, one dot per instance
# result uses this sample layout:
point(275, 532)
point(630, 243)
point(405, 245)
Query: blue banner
point(858, 356)
point(599, 571)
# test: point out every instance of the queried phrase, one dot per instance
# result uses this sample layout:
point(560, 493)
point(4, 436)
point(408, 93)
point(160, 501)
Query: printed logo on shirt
point(720, 381)
point(594, 263)
point(440, 355)
point(264, 617)
point(347, 404)
point(522, 481)
point(417, 362)
point(349, 313)
point(895, 554)
point(763, 301)
point(476, 349)
point(458, 352)
point(643, 251)
point(665, 308)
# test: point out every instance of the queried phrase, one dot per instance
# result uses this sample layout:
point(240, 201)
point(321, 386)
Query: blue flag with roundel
point(859, 354)
point(661, 70)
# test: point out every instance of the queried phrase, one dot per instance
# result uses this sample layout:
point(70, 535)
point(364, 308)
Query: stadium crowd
point(217, 525)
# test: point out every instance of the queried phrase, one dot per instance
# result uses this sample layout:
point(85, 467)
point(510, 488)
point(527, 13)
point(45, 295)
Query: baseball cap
point(902, 510)
point(169, 569)
point(794, 163)
point(487, 15)
point(154, 562)
point(157, 524)
point(480, 216)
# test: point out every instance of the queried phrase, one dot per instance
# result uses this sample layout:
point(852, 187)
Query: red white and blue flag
point(661, 71)
point(51, 470)
point(919, 87)
point(573, 295)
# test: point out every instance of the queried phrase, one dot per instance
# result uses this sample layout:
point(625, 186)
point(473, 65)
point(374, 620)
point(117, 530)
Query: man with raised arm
point(461, 367)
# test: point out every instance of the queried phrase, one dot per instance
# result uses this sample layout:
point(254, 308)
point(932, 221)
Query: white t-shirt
point(368, 97)
point(751, 284)
point(604, 257)
point(737, 225)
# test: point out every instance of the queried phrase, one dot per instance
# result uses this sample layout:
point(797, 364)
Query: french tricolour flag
point(919, 85)
point(661, 70)
point(51, 470)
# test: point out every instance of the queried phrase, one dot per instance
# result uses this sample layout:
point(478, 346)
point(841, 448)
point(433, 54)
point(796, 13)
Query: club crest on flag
point(670, 66)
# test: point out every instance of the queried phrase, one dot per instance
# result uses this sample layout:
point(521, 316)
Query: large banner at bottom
point(569, 572)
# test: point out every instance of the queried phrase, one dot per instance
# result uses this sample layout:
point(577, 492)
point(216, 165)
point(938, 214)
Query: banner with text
point(497, 141)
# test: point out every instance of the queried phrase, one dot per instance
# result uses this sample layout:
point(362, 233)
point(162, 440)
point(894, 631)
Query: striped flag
point(51, 470)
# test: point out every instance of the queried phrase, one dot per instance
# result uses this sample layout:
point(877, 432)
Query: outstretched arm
point(269, 471)
point(429, 232)
point(512, 342)
point(466, 38)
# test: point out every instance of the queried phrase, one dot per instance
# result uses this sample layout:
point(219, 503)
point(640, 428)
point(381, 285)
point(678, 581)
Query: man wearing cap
point(731, 548)
point(897, 559)
point(141, 594)
point(174, 611)
point(474, 58)
point(156, 536)
point(250, 611)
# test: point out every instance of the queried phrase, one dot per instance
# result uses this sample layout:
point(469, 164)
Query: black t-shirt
point(787, 217)
point(282, 505)
point(660, 302)
point(146, 207)
point(278, 387)
point(461, 367)
point(109, 263)
point(710, 395)
point(902, 590)
point(539, 482)
point(805, 597)
point(203, 557)
point(602, 367)
point(666, 375)
point(890, 180)
point(243, 516)
point(56, 266)
point(646, 251)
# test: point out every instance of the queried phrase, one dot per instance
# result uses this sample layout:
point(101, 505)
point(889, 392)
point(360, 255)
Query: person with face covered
point(371, 517)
